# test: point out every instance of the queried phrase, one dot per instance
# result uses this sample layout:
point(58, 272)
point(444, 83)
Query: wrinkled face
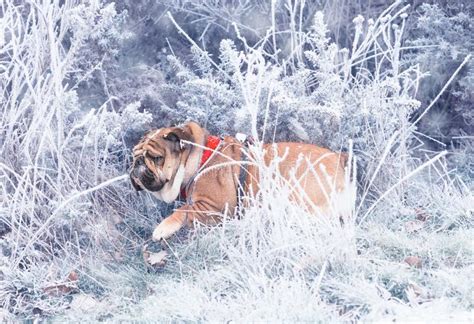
point(157, 157)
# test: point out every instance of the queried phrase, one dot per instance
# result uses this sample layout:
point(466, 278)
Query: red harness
point(212, 143)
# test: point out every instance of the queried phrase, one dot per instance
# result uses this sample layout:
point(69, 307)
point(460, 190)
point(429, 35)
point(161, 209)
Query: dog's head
point(158, 157)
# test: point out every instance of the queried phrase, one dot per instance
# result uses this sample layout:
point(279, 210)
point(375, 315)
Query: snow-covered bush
point(53, 152)
point(450, 30)
point(329, 96)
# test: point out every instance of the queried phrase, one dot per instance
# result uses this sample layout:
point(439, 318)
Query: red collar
point(212, 142)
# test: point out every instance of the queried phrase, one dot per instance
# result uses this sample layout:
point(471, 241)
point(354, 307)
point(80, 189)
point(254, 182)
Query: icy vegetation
point(391, 83)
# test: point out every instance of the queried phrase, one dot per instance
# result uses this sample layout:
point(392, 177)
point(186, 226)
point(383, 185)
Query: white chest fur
point(170, 190)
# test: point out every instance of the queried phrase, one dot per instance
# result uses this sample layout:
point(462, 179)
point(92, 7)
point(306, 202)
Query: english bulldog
point(213, 173)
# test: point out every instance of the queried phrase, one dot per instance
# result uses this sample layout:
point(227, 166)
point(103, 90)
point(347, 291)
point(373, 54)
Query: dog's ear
point(135, 185)
point(176, 135)
point(149, 131)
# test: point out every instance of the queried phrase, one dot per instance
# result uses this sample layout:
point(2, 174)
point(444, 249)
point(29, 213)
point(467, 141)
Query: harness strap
point(246, 141)
point(242, 177)
point(212, 145)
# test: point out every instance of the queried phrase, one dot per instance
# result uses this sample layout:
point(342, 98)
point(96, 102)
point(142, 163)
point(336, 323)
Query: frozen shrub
point(53, 152)
point(444, 36)
point(326, 98)
point(95, 37)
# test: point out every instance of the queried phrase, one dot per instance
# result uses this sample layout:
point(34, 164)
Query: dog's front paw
point(166, 229)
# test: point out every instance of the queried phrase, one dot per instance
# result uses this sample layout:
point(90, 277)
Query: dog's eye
point(158, 158)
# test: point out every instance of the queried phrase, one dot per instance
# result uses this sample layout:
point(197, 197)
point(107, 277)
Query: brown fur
point(215, 191)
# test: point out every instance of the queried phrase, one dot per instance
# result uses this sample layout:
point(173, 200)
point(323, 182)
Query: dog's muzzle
point(145, 176)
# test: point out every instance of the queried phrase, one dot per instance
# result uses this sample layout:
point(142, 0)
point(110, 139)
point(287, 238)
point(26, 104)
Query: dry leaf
point(154, 255)
point(157, 259)
point(63, 288)
point(413, 226)
point(84, 303)
point(413, 261)
point(421, 214)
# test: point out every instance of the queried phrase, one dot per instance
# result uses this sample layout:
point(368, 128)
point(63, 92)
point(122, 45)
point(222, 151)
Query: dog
point(213, 173)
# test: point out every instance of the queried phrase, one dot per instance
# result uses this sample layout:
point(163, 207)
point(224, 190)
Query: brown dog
point(167, 162)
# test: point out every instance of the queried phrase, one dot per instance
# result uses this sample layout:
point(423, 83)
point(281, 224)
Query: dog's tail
point(343, 158)
point(351, 165)
point(346, 197)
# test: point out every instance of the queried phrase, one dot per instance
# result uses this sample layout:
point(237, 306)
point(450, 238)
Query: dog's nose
point(138, 170)
point(140, 161)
